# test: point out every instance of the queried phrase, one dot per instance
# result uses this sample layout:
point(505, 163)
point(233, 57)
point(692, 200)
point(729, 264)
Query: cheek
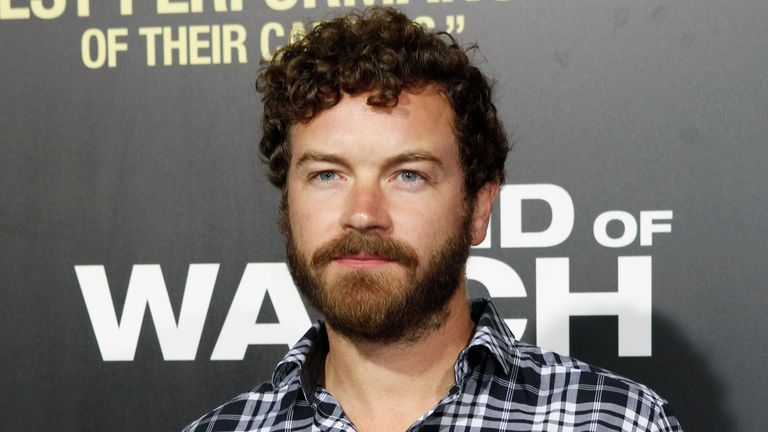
point(312, 223)
point(426, 225)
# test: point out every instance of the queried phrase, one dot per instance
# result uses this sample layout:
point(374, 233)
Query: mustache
point(354, 243)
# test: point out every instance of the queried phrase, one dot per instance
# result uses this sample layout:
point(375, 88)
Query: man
point(387, 148)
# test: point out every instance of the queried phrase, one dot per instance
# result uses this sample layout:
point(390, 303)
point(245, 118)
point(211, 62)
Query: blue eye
point(410, 176)
point(326, 176)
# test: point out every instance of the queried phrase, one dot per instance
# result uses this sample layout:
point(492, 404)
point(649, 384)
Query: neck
point(405, 376)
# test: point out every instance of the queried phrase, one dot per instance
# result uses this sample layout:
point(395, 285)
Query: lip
point(361, 261)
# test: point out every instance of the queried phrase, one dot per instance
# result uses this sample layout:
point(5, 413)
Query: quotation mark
point(454, 23)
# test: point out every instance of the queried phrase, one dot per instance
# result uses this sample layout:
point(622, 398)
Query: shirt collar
point(492, 334)
point(305, 360)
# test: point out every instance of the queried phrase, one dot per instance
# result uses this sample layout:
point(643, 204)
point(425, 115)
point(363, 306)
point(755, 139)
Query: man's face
point(378, 225)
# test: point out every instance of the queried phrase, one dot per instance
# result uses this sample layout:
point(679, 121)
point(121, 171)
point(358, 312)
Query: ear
point(481, 215)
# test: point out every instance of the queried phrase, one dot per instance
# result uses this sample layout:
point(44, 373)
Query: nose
point(366, 210)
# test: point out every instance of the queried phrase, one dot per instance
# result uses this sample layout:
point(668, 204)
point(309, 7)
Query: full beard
point(378, 306)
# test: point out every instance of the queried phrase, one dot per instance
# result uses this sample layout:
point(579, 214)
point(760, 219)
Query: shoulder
point(545, 388)
point(264, 407)
point(547, 365)
point(277, 405)
point(591, 389)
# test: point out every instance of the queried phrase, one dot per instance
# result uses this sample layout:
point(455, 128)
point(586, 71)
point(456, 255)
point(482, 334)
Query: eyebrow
point(321, 157)
point(416, 156)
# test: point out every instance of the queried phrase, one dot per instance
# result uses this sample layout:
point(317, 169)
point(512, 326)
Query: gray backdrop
point(635, 106)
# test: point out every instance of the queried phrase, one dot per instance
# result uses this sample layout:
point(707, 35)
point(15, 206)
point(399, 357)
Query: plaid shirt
point(501, 384)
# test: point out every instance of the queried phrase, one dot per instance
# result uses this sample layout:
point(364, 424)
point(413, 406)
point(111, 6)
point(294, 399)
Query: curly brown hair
point(381, 51)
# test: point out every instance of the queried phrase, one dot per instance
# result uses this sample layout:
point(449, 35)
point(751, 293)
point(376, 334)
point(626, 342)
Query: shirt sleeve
point(665, 420)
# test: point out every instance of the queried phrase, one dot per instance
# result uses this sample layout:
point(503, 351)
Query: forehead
point(421, 121)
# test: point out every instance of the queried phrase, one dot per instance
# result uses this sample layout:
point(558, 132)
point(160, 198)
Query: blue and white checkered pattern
point(501, 385)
